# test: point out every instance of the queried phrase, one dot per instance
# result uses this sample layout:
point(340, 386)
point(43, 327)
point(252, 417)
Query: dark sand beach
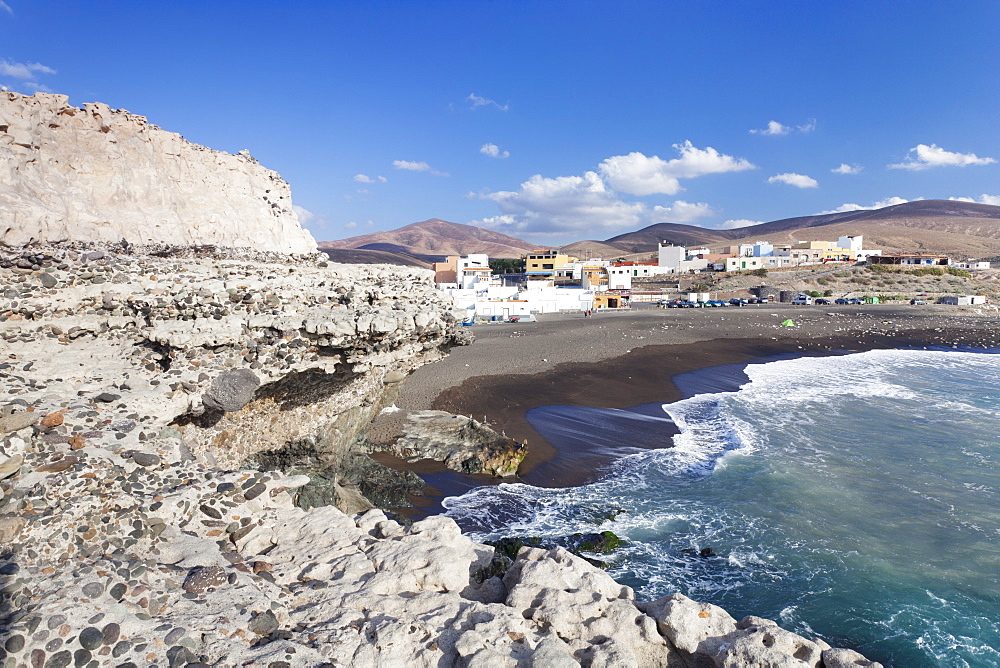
point(628, 359)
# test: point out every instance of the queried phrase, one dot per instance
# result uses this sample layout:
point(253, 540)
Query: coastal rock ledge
point(134, 386)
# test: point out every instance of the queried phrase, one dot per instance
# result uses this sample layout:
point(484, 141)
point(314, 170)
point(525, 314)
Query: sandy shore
point(628, 358)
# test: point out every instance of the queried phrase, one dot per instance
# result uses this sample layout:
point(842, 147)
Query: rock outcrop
point(461, 443)
point(102, 174)
point(134, 385)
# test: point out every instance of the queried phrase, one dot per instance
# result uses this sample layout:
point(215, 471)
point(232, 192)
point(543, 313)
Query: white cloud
point(562, 205)
point(304, 215)
point(736, 223)
point(411, 166)
point(308, 219)
point(881, 204)
point(493, 151)
point(922, 157)
point(4, 6)
point(682, 212)
point(23, 71)
point(639, 174)
point(416, 167)
point(793, 179)
point(362, 178)
point(774, 128)
point(847, 169)
point(478, 101)
point(351, 225)
point(579, 205)
point(983, 199)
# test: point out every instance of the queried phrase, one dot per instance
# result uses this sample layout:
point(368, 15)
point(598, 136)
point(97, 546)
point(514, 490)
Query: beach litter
point(787, 323)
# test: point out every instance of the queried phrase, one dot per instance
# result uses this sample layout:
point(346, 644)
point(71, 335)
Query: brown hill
point(646, 239)
point(586, 250)
point(960, 229)
point(354, 256)
point(437, 237)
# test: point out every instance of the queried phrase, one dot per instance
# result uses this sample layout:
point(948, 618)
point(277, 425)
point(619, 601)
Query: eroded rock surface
point(128, 534)
point(103, 174)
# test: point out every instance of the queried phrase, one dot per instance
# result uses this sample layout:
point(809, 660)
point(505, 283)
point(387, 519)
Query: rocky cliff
point(102, 174)
point(135, 385)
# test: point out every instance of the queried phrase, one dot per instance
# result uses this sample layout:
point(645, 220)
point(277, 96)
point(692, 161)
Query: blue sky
point(551, 121)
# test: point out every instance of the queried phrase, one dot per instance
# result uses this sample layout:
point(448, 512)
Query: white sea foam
point(829, 492)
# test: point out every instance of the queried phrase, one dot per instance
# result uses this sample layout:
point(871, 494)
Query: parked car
point(822, 302)
point(918, 302)
point(715, 303)
point(803, 300)
point(855, 300)
point(738, 301)
point(763, 300)
point(691, 304)
point(841, 300)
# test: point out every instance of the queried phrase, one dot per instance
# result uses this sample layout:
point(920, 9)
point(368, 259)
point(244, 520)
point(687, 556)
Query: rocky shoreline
point(139, 384)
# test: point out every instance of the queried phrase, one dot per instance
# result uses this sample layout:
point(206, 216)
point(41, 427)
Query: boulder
point(231, 390)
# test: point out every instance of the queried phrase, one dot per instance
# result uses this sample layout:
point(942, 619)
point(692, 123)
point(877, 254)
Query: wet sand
point(627, 359)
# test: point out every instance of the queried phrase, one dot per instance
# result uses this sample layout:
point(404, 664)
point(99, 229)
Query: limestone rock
point(105, 174)
point(695, 629)
point(846, 658)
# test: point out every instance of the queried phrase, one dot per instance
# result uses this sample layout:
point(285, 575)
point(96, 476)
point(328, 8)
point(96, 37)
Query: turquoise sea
point(853, 497)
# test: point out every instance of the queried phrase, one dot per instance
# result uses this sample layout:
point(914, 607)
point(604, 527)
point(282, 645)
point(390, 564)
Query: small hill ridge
point(437, 237)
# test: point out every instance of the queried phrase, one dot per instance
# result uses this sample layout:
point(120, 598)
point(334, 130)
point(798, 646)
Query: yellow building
point(609, 300)
point(546, 261)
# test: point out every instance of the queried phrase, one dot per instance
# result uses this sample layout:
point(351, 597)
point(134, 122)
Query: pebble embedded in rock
point(254, 491)
point(109, 633)
point(91, 638)
point(264, 623)
point(146, 459)
point(199, 579)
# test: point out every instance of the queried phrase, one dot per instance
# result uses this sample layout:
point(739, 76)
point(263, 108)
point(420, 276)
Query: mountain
point(960, 229)
point(436, 237)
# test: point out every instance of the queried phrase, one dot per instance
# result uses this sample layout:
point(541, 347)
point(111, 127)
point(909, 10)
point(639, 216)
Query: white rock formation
point(102, 174)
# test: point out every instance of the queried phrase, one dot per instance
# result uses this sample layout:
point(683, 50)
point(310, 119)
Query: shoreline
point(644, 374)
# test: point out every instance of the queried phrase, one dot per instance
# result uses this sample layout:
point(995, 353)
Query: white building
point(676, 260)
point(480, 295)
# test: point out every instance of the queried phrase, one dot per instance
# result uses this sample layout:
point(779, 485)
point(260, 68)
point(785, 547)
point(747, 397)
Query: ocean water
point(855, 498)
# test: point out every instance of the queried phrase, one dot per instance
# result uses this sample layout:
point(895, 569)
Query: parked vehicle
point(855, 300)
point(918, 302)
point(715, 303)
point(822, 302)
point(801, 300)
point(841, 300)
point(738, 301)
point(763, 300)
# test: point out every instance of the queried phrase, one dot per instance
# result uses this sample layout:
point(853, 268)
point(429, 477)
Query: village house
point(912, 259)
